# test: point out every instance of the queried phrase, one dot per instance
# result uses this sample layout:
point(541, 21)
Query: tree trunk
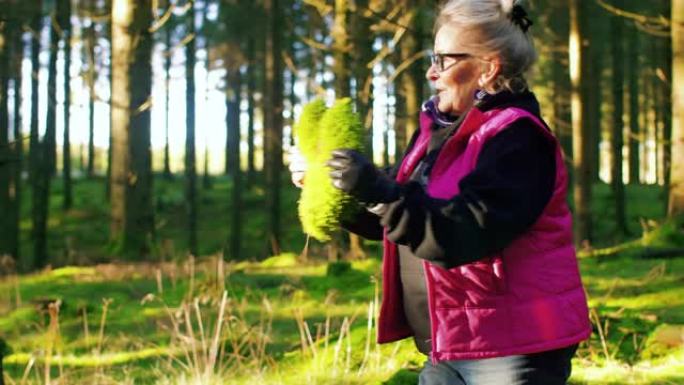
point(592, 21)
point(91, 40)
point(64, 15)
point(668, 100)
point(617, 132)
point(36, 27)
point(190, 156)
point(676, 201)
point(50, 138)
point(7, 163)
point(411, 80)
point(109, 33)
point(341, 49)
point(233, 88)
point(656, 108)
point(581, 149)
point(401, 136)
point(273, 127)
point(561, 84)
point(131, 170)
point(167, 84)
point(206, 175)
point(18, 58)
point(363, 55)
point(251, 89)
point(634, 134)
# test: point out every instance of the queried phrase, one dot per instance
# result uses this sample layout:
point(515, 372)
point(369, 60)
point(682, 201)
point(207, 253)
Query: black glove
point(357, 176)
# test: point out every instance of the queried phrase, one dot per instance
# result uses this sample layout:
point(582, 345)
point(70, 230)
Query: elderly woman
point(479, 265)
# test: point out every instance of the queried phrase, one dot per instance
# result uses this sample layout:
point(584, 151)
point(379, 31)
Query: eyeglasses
point(438, 59)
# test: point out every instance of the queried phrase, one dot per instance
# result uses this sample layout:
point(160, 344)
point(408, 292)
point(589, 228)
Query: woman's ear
point(491, 68)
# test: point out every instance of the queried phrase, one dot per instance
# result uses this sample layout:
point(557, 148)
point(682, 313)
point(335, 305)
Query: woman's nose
point(431, 73)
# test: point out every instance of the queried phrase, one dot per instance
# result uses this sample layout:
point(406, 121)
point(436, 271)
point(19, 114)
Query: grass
point(284, 321)
point(288, 322)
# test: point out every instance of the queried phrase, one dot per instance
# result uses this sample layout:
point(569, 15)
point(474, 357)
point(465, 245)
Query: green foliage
point(320, 131)
point(338, 268)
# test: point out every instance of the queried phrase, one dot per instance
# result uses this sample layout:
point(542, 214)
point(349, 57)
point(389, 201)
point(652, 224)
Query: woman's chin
point(443, 108)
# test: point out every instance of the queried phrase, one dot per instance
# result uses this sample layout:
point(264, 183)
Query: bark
point(617, 185)
point(50, 139)
point(90, 39)
point(232, 251)
point(40, 202)
point(581, 149)
point(592, 23)
point(64, 14)
point(561, 84)
point(132, 222)
point(273, 127)
point(676, 201)
point(167, 84)
point(7, 162)
point(36, 27)
point(411, 80)
point(668, 99)
point(341, 49)
point(18, 57)
point(251, 89)
point(232, 166)
point(190, 155)
point(363, 55)
point(401, 135)
point(634, 134)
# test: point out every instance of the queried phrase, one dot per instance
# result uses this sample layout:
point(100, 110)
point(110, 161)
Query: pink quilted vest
point(526, 298)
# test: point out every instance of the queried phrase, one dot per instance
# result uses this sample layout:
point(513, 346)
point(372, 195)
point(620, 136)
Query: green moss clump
point(306, 130)
point(319, 132)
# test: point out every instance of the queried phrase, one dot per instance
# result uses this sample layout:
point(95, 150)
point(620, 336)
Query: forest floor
point(286, 321)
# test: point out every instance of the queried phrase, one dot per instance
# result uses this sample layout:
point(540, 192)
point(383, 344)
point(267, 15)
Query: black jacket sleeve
point(367, 224)
point(501, 198)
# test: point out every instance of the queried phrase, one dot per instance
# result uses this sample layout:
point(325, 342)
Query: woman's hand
point(354, 174)
point(297, 166)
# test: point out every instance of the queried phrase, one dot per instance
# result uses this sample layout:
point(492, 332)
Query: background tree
point(633, 75)
point(36, 27)
point(676, 201)
point(190, 156)
point(51, 118)
point(273, 120)
point(132, 219)
point(7, 163)
point(17, 26)
point(168, 53)
point(617, 26)
point(64, 20)
point(90, 41)
point(580, 130)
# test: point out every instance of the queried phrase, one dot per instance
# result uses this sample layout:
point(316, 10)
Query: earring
point(480, 94)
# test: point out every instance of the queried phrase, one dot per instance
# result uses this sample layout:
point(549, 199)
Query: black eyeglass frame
point(438, 59)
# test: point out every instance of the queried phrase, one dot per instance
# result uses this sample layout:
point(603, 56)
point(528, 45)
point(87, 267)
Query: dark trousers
point(546, 368)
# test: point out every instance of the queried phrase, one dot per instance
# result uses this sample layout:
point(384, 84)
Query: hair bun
point(507, 6)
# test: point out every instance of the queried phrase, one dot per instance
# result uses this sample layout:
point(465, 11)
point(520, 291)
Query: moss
point(319, 132)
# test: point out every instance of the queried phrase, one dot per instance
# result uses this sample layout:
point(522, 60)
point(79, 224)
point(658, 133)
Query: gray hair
point(492, 20)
